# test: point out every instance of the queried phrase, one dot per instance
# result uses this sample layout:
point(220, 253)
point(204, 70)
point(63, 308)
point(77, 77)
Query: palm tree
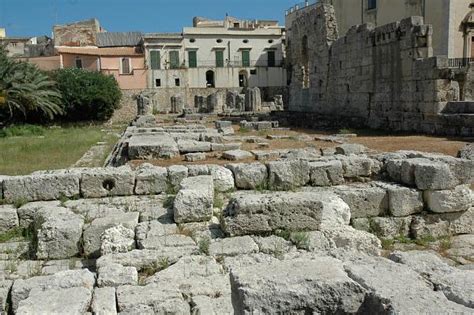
point(26, 89)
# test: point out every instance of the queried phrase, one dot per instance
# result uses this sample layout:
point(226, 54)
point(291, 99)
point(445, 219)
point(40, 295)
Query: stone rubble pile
point(301, 233)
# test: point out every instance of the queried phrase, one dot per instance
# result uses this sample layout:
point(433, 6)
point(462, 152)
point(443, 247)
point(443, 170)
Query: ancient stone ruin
point(260, 237)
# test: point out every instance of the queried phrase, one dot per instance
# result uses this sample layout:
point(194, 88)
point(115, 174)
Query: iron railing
point(459, 62)
point(300, 6)
point(230, 64)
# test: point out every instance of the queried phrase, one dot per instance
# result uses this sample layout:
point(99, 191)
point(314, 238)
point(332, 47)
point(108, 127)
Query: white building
point(229, 54)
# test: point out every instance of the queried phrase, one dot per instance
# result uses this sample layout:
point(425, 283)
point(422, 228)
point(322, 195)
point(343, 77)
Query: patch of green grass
point(22, 130)
point(244, 130)
point(18, 203)
point(425, 240)
point(387, 243)
point(56, 148)
point(218, 200)
point(261, 187)
point(15, 233)
point(300, 239)
point(445, 243)
point(171, 189)
point(346, 131)
point(203, 245)
point(184, 231)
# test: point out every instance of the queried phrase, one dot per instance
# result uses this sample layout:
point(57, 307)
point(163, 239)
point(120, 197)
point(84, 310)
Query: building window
point(177, 82)
point(371, 4)
point(192, 56)
point(125, 66)
point(236, 25)
point(253, 72)
point(157, 82)
point(219, 58)
point(219, 41)
point(245, 58)
point(270, 41)
point(246, 41)
point(78, 63)
point(271, 58)
point(192, 40)
point(174, 59)
point(155, 60)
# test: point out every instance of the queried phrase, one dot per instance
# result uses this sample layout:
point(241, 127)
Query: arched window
point(210, 79)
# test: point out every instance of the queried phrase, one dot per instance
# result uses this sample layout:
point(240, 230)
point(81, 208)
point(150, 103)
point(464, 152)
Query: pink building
point(126, 64)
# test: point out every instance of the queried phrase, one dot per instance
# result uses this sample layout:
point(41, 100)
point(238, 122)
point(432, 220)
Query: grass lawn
point(25, 149)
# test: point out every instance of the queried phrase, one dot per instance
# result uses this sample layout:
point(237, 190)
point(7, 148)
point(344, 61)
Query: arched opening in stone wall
point(243, 79)
point(210, 79)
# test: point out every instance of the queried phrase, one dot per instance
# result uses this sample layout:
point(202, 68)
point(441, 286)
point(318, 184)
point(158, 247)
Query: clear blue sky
point(36, 17)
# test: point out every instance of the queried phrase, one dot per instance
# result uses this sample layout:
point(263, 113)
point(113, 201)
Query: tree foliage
point(88, 95)
point(26, 91)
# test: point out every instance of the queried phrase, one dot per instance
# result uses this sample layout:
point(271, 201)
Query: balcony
point(262, 63)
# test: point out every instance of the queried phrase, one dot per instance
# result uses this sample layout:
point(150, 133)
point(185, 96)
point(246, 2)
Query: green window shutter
point(174, 59)
point(271, 58)
point(245, 58)
point(192, 56)
point(155, 60)
point(219, 58)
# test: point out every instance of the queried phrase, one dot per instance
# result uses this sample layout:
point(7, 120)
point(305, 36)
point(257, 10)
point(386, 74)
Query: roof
point(121, 39)
point(93, 51)
point(163, 35)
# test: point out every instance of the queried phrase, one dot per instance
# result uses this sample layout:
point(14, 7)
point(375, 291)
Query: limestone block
point(402, 201)
point(104, 302)
point(273, 245)
point(212, 137)
point(62, 280)
point(46, 186)
point(326, 173)
point(191, 146)
point(8, 218)
point(27, 213)
point(467, 152)
point(351, 148)
point(257, 289)
point(302, 211)
point(233, 246)
point(176, 174)
point(364, 201)
point(58, 233)
point(387, 227)
point(357, 166)
point(117, 239)
point(93, 232)
point(462, 223)
point(194, 201)
point(225, 146)
point(235, 155)
point(350, 239)
point(103, 182)
point(430, 226)
point(5, 287)
point(434, 176)
point(142, 147)
point(443, 201)
point(223, 178)
point(195, 157)
point(287, 175)
point(115, 275)
point(150, 299)
point(151, 180)
point(249, 176)
point(398, 286)
point(197, 170)
point(56, 301)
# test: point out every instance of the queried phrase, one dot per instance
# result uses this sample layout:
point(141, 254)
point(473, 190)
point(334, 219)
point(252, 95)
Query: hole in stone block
point(108, 184)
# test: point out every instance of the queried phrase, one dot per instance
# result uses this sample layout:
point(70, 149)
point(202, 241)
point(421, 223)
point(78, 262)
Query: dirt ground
point(303, 138)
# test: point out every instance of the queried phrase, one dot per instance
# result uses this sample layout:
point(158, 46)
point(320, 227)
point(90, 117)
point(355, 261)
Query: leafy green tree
point(88, 95)
point(26, 91)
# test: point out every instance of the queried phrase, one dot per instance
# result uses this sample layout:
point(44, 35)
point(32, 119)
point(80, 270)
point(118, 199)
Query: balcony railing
point(460, 62)
point(229, 64)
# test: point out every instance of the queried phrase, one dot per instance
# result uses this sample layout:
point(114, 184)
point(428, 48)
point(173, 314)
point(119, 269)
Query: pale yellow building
point(453, 27)
point(3, 33)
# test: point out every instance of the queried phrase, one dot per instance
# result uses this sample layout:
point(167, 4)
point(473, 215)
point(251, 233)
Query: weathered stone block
point(236, 155)
point(8, 218)
point(115, 275)
point(256, 289)
point(151, 180)
point(176, 174)
point(93, 232)
point(58, 233)
point(190, 146)
point(357, 166)
point(364, 201)
point(104, 302)
point(194, 201)
point(287, 175)
point(46, 186)
point(351, 148)
point(223, 178)
point(142, 147)
point(117, 239)
point(443, 201)
point(249, 176)
point(195, 157)
point(233, 246)
point(263, 213)
point(326, 173)
point(434, 176)
point(103, 182)
point(403, 201)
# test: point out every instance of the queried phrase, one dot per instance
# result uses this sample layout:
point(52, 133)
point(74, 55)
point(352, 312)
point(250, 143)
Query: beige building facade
point(452, 32)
